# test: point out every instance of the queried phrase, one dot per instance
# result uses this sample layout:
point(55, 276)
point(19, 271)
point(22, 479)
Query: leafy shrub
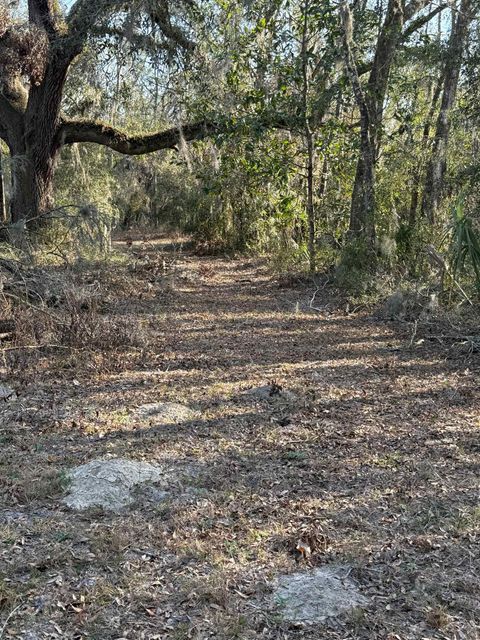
point(356, 270)
point(465, 244)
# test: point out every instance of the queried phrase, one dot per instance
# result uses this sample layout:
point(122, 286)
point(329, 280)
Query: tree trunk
point(362, 210)
point(34, 143)
point(371, 103)
point(32, 188)
point(417, 179)
point(309, 137)
point(310, 203)
point(437, 166)
point(3, 203)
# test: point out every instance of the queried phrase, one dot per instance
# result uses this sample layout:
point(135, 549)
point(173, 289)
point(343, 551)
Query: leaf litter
point(371, 463)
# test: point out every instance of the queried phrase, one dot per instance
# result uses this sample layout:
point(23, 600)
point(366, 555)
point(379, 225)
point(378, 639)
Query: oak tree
point(35, 57)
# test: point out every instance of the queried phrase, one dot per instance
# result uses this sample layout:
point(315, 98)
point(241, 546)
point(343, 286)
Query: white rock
point(109, 483)
point(317, 595)
point(7, 393)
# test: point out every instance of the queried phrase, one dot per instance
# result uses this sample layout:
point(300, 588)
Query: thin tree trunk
point(3, 202)
point(417, 179)
point(310, 204)
point(371, 105)
point(437, 166)
point(322, 184)
point(362, 210)
point(309, 137)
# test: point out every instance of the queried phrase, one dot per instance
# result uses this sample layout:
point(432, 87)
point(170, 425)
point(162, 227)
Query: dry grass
point(375, 460)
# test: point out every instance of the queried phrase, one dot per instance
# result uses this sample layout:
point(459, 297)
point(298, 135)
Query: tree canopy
point(349, 122)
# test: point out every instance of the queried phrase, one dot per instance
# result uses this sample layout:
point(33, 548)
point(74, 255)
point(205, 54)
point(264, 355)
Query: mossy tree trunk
point(437, 166)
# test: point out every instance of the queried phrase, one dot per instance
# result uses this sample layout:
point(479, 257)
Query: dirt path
point(371, 455)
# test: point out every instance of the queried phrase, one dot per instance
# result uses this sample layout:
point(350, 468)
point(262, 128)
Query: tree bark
point(371, 104)
point(417, 179)
point(309, 138)
point(362, 209)
point(32, 189)
point(437, 166)
point(3, 202)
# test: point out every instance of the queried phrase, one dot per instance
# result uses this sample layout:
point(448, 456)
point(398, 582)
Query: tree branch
point(421, 21)
point(350, 62)
point(42, 13)
point(413, 7)
point(107, 136)
point(84, 14)
point(137, 40)
point(160, 15)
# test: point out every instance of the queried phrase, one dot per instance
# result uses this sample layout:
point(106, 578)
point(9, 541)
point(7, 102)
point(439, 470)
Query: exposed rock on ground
point(270, 392)
point(7, 393)
point(312, 597)
point(109, 483)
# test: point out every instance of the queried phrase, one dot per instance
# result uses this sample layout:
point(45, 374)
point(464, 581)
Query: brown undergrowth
point(373, 456)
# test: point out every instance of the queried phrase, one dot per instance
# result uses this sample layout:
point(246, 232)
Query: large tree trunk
point(437, 166)
point(33, 154)
point(32, 189)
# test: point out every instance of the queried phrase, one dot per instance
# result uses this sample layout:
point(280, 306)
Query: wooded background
point(327, 135)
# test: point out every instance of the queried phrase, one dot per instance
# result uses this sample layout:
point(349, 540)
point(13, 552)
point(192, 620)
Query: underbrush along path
point(308, 441)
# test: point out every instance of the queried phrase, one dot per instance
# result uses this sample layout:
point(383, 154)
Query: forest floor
point(372, 455)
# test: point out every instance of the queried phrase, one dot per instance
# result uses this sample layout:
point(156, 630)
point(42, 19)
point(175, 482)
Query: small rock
point(109, 483)
point(313, 597)
point(7, 393)
point(151, 495)
point(161, 413)
point(270, 392)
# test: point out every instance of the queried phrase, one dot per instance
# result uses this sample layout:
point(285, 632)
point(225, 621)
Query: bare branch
point(413, 7)
point(422, 20)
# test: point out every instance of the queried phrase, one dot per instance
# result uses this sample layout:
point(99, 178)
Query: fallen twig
point(10, 615)
point(37, 346)
point(312, 299)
